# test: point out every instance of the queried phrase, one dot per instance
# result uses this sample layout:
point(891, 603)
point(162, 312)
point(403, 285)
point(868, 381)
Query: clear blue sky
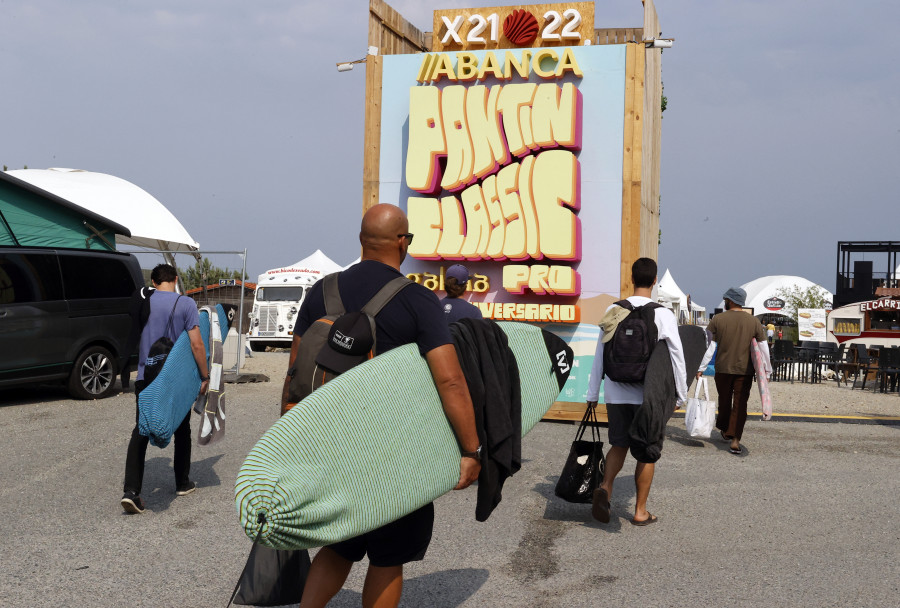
point(781, 137)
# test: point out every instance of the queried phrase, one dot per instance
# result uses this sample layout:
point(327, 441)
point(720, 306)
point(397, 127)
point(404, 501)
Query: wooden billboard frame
point(392, 34)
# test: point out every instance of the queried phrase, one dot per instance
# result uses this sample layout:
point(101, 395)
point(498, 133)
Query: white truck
point(279, 293)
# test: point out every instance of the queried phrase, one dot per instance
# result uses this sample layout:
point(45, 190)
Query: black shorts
point(397, 543)
point(620, 416)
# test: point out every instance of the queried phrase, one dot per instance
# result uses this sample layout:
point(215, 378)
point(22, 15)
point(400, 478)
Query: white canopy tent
point(152, 226)
point(316, 263)
point(668, 292)
point(765, 289)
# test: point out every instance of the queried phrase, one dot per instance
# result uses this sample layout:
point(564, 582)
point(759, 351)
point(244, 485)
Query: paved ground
point(807, 517)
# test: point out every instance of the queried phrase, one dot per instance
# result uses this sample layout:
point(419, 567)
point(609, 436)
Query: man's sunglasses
point(407, 235)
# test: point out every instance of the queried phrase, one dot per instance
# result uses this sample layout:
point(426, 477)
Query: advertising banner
point(509, 162)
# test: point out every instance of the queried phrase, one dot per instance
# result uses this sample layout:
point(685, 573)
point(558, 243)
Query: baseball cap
point(458, 272)
point(349, 343)
point(736, 295)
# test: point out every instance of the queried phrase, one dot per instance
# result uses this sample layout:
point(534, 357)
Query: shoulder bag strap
point(385, 295)
point(380, 300)
point(172, 316)
point(332, 295)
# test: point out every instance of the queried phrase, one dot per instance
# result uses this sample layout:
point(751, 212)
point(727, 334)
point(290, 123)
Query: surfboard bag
point(299, 477)
point(211, 405)
point(307, 374)
point(164, 403)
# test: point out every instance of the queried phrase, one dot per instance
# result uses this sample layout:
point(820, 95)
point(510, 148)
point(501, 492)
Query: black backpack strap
point(172, 315)
point(332, 295)
point(380, 300)
point(625, 304)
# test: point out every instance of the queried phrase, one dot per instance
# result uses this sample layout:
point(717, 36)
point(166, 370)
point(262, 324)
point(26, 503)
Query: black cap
point(349, 343)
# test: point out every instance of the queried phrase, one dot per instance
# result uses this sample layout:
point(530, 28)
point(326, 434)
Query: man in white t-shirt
point(622, 400)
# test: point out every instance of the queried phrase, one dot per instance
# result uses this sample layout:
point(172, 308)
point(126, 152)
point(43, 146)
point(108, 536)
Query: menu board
point(811, 324)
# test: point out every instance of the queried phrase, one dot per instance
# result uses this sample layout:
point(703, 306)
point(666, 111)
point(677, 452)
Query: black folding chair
point(864, 364)
point(783, 358)
point(844, 363)
point(808, 357)
point(888, 369)
point(828, 358)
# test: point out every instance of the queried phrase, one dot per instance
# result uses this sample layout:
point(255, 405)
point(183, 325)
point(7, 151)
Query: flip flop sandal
point(735, 451)
point(645, 522)
point(600, 506)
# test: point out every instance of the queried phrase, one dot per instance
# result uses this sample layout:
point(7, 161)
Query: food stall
point(873, 322)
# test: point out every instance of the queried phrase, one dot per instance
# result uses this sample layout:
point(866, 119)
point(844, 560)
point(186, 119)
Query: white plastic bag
point(700, 415)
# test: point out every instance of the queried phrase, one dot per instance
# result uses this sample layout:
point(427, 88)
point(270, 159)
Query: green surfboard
point(373, 445)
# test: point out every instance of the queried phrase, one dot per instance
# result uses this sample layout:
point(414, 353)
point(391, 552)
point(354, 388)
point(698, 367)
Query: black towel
point(493, 377)
point(648, 429)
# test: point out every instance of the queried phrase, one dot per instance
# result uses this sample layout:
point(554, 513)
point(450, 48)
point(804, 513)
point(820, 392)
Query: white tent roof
point(764, 288)
point(152, 225)
point(668, 291)
point(316, 264)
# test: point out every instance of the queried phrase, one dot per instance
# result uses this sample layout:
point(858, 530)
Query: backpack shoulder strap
point(172, 315)
point(332, 295)
point(625, 304)
point(379, 300)
point(385, 295)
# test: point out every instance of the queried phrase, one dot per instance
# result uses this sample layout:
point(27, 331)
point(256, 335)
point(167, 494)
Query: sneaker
point(132, 503)
point(187, 489)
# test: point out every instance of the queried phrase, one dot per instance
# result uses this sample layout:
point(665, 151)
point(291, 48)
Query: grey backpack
point(307, 374)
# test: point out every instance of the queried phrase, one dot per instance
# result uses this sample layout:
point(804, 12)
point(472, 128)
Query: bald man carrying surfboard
point(414, 315)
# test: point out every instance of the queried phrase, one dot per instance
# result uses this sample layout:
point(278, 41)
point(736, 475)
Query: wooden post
point(632, 146)
point(372, 136)
point(652, 110)
point(391, 34)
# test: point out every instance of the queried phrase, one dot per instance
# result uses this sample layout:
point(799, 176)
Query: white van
point(279, 293)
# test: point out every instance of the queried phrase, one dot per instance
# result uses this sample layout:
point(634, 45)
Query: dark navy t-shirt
point(457, 308)
point(414, 315)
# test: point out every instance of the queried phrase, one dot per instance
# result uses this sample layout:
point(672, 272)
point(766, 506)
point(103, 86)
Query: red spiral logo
point(520, 27)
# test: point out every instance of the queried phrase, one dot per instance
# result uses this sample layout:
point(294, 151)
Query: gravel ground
point(800, 398)
point(805, 517)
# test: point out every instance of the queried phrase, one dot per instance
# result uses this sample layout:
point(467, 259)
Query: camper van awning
point(142, 221)
point(33, 217)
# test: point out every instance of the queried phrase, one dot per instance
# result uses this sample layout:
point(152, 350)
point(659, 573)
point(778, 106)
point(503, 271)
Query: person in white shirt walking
point(623, 399)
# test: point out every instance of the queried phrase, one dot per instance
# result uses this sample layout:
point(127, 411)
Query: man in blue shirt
point(170, 314)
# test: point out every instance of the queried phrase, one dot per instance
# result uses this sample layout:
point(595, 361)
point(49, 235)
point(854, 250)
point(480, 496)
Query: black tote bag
point(585, 465)
point(273, 577)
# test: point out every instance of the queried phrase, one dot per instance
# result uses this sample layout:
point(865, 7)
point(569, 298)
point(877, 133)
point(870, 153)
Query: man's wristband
point(204, 378)
point(476, 454)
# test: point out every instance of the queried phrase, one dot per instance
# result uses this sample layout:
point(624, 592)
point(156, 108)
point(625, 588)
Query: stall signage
point(774, 304)
point(884, 304)
point(811, 324)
